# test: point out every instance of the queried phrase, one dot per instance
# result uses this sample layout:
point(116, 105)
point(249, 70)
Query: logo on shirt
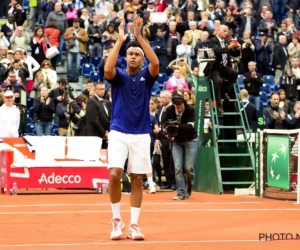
point(142, 79)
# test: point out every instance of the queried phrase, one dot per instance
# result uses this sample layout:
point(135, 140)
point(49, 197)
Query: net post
point(261, 159)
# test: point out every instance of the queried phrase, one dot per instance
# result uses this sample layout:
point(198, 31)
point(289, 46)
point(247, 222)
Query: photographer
point(179, 128)
point(77, 110)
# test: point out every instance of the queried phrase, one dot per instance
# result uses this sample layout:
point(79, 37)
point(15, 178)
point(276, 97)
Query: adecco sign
point(57, 179)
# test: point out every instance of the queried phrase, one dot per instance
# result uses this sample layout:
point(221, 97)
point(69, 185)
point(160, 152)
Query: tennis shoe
point(135, 233)
point(116, 230)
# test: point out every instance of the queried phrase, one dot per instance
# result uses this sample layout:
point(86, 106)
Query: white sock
point(150, 181)
point(116, 210)
point(135, 214)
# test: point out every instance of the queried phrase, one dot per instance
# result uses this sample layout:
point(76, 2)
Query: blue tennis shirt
point(130, 101)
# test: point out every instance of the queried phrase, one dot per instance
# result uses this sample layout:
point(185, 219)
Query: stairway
point(223, 162)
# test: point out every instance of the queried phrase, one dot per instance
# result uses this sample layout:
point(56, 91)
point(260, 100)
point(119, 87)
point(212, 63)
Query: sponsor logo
point(19, 145)
point(57, 179)
point(202, 88)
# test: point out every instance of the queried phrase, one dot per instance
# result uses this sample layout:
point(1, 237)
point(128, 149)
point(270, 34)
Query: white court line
point(127, 243)
point(238, 202)
point(158, 211)
point(91, 204)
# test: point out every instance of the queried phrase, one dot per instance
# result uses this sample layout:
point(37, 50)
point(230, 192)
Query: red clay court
point(82, 222)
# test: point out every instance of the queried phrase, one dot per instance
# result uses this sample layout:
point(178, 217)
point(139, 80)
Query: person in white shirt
point(9, 116)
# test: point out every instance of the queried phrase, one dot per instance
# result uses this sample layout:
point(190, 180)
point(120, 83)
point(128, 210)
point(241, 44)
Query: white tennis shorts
point(134, 147)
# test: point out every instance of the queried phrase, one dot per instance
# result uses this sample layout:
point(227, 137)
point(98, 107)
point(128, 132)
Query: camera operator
point(77, 111)
point(179, 128)
point(58, 93)
point(44, 110)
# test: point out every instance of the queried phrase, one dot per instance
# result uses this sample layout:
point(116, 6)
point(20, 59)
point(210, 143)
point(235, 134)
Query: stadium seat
point(26, 5)
point(55, 131)
point(30, 102)
point(54, 126)
point(276, 88)
point(83, 60)
point(269, 79)
point(51, 134)
point(95, 76)
point(30, 128)
point(31, 113)
point(162, 77)
point(86, 69)
point(240, 80)
point(264, 98)
point(261, 108)
point(29, 120)
point(95, 60)
point(266, 88)
point(29, 134)
point(155, 89)
point(165, 86)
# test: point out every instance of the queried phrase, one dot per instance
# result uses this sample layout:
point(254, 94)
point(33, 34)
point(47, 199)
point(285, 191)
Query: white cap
point(8, 93)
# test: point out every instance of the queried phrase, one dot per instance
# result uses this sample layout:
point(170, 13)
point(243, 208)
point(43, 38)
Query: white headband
point(137, 48)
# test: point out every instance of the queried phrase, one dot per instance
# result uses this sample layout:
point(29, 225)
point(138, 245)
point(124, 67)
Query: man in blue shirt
point(130, 124)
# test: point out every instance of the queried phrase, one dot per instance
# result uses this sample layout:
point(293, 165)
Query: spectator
point(59, 17)
point(39, 83)
point(280, 58)
point(50, 75)
point(9, 116)
point(9, 27)
point(276, 117)
point(263, 51)
point(19, 39)
point(38, 45)
point(176, 82)
point(283, 101)
point(44, 110)
point(52, 34)
point(253, 82)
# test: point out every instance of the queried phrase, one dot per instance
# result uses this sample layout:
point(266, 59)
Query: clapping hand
point(121, 37)
point(138, 22)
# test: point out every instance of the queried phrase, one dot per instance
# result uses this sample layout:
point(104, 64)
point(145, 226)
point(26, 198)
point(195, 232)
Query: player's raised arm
point(154, 62)
point(109, 67)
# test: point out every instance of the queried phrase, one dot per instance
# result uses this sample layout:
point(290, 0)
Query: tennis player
point(130, 125)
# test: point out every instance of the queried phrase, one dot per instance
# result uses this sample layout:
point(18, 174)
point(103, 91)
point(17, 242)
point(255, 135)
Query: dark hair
point(62, 81)
point(177, 100)
point(90, 81)
point(16, 60)
point(52, 24)
point(37, 29)
point(274, 93)
point(133, 44)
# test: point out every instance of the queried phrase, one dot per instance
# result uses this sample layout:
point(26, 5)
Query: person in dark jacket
point(275, 116)
point(253, 81)
point(43, 109)
point(184, 144)
point(160, 48)
point(263, 51)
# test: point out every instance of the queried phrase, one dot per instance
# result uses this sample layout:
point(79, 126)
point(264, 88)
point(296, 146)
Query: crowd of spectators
point(86, 30)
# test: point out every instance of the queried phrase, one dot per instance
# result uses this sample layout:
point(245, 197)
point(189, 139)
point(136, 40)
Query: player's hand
point(121, 37)
point(138, 22)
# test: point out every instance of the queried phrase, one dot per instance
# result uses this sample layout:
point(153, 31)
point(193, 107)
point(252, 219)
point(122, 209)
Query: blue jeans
point(61, 43)
point(184, 155)
point(255, 100)
point(73, 65)
point(43, 128)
